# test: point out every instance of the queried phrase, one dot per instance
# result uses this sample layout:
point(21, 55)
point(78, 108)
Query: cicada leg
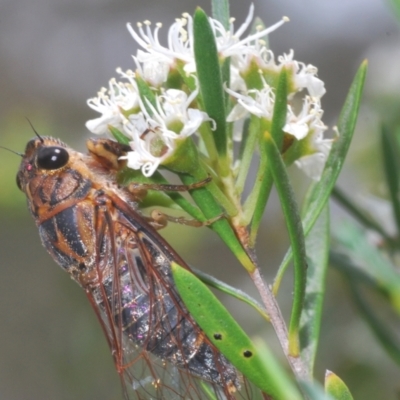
point(160, 220)
point(108, 152)
point(134, 187)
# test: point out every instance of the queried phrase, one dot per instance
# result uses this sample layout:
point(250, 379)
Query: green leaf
point(396, 8)
point(220, 11)
point(259, 366)
point(210, 81)
point(358, 213)
point(118, 135)
point(317, 245)
point(251, 131)
point(391, 165)
point(356, 276)
point(369, 259)
point(383, 334)
point(263, 185)
point(296, 235)
point(336, 387)
point(232, 291)
point(146, 94)
point(320, 191)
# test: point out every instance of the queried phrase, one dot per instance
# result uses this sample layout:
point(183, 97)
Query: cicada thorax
point(92, 230)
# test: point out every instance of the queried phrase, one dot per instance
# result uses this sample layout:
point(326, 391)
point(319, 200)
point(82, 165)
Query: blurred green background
point(54, 55)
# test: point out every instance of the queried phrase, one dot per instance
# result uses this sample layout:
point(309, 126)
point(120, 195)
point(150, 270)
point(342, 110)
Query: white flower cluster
point(122, 107)
point(147, 125)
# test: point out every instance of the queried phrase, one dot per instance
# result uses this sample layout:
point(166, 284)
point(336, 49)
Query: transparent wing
point(158, 348)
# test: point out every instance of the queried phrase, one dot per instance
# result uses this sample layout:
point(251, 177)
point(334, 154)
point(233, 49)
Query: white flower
point(310, 115)
point(143, 139)
point(229, 43)
point(180, 42)
point(153, 68)
point(261, 105)
point(318, 147)
point(306, 126)
point(110, 103)
point(242, 51)
point(304, 75)
point(154, 139)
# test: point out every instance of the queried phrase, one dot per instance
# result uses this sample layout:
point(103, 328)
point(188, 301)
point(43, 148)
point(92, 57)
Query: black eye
point(51, 157)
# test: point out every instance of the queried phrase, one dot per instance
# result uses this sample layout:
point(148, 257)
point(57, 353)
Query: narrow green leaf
point(220, 11)
point(261, 190)
point(146, 94)
point(336, 387)
point(210, 80)
point(391, 165)
point(226, 78)
point(118, 135)
point(296, 235)
point(264, 185)
point(359, 214)
point(396, 8)
point(224, 332)
point(383, 334)
point(208, 391)
point(351, 268)
point(317, 245)
point(343, 263)
point(369, 259)
point(320, 191)
point(250, 135)
point(232, 291)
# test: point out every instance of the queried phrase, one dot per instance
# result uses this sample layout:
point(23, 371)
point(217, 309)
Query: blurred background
point(54, 55)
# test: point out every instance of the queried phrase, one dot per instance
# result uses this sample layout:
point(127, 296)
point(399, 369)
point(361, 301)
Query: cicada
point(93, 229)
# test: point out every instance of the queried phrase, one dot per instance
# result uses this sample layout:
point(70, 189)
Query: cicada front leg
point(108, 153)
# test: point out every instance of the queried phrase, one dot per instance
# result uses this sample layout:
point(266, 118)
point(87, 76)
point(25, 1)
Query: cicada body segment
point(93, 230)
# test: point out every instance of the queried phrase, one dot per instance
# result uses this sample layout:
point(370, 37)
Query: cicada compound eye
point(52, 157)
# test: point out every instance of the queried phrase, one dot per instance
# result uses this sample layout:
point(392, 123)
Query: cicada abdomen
point(93, 230)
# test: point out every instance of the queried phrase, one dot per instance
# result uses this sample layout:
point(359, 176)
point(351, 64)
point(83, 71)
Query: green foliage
point(336, 387)
point(221, 328)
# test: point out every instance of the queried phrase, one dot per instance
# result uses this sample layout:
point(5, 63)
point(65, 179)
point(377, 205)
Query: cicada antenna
point(34, 130)
point(12, 151)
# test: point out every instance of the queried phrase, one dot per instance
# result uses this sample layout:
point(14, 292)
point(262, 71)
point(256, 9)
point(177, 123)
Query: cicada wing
point(157, 346)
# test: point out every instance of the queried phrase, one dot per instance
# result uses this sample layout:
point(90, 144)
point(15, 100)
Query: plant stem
point(278, 323)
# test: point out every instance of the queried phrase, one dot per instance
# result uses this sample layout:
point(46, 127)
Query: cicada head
point(43, 156)
point(51, 172)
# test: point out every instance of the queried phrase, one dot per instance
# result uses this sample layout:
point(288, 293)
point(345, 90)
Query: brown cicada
point(93, 229)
